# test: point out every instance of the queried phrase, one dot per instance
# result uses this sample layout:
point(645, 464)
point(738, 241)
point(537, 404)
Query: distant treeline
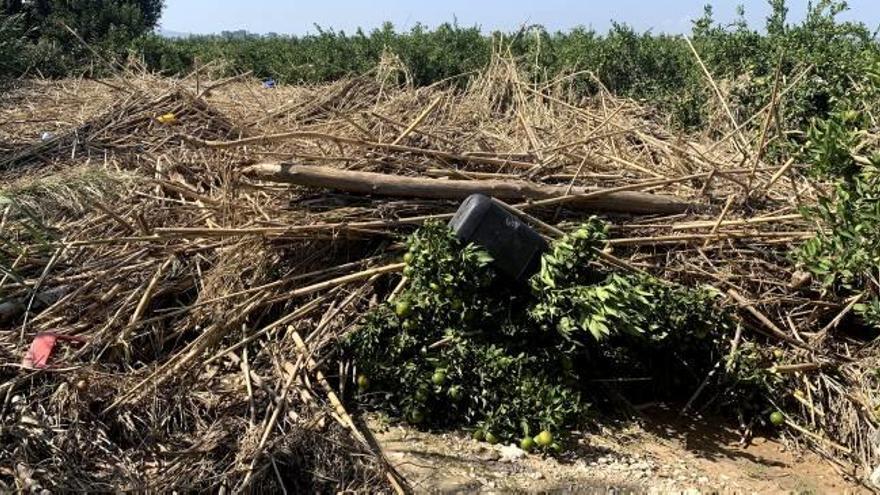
point(654, 67)
point(37, 36)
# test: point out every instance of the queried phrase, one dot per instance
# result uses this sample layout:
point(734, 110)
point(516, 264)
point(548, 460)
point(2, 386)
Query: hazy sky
point(299, 17)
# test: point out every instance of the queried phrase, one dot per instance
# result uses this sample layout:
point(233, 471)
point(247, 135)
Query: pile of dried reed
point(210, 264)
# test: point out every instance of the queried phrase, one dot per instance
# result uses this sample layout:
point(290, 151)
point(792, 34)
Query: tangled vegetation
point(845, 253)
point(460, 347)
point(36, 37)
point(659, 68)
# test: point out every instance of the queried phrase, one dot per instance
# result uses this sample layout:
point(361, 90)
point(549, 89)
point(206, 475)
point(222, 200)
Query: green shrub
point(656, 68)
point(47, 47)
point(845, 253)
point(12, 62)
point(462, 347)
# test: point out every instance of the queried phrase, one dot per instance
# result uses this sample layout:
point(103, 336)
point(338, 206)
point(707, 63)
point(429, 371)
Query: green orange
point(363, 382)
point(777, 418)
point(544, 439)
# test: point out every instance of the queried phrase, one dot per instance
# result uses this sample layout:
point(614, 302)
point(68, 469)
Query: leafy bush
point(46, 46)
point(657, 68)
point(832, 52)
point(845, 253)
point(11, 45)
point(462, 347)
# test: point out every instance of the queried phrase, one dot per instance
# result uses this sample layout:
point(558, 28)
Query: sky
point(299, 17)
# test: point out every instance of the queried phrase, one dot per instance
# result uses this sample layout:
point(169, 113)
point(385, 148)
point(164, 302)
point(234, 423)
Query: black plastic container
point(515, 247)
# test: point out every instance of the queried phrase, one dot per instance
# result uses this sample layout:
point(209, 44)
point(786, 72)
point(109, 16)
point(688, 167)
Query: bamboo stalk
point(663, 239)
point(273, 138)
point(740, 222)
point(146, 297)
point(402, 186)
point(779, 173)
point(718, 222)
point(736, 130)
point(818, 437)
point(393, 477)
point(796, 368)
point(742, 142)
point(303, 291)
point(762, 140)
point(418, 120)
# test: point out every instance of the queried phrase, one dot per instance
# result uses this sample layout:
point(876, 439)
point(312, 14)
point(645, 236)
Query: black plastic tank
point(514, 246)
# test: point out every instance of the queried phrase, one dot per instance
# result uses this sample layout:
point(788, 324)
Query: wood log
point(418, 187)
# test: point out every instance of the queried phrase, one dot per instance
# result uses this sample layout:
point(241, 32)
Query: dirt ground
point(663, 454)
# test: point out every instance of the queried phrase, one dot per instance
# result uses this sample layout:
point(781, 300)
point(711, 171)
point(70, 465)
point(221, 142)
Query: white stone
point(510, 453)
point(875, 477)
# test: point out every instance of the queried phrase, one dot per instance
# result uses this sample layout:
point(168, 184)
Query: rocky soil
point(662, 454)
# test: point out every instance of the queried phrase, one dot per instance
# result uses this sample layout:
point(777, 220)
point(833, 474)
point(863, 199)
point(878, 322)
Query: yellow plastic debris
point(168, 119)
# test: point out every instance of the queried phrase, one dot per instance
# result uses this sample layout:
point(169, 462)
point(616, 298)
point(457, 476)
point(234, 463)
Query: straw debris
point(211, 298)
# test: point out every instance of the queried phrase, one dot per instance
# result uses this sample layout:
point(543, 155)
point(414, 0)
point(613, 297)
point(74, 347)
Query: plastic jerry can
point(514, 246)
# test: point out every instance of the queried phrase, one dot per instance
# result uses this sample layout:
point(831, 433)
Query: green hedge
point(653, 67)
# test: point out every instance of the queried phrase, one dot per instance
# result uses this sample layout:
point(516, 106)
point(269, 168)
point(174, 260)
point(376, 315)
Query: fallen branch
point(770, 328)
point(416, 187)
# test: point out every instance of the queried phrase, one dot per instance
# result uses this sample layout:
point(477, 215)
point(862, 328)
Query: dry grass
point(188, 279)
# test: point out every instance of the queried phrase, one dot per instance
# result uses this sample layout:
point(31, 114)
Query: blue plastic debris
point(269, 83)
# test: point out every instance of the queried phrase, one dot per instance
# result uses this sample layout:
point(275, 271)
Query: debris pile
point(209, 264)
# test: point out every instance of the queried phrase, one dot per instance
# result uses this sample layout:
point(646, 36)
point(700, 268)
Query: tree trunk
point(417, 187)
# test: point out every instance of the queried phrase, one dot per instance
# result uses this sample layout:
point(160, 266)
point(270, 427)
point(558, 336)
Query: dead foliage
point(210, 300)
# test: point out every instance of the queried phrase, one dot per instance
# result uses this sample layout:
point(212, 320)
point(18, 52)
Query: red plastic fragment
point(41, 348)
